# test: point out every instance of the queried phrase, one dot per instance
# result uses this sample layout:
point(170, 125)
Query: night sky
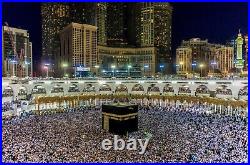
point(216, 22)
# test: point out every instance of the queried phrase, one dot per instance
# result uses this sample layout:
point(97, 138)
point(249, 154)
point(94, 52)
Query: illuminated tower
point(239, 61)
point(101, 22)
point(56, 16)
point(156, 24)
point(116, 24)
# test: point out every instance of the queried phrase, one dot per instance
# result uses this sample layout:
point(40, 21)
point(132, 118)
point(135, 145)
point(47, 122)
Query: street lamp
point(193, 65)
point(201, 66)
point(64, 65)
point(97, 69)
point(47, 70)
point(146, 66)
point(113, 67)
point(129, 66)
point(161, 66)
point(213, 64)
point(46, 66)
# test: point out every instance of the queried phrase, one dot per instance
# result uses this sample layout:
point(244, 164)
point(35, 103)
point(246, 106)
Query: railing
point(128, 78)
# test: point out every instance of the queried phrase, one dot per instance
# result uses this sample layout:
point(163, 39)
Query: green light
point(64, 65)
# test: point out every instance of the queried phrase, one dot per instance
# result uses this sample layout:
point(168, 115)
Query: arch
point(153, 88)
point(89, 88)
point(57, 89)
point(243, 91)
point(121, 89)
point(185, 89)
point(138, 87)
point(105, 87)
point(73, 88)
point(202, 89)
point(168, 88)
point(38, 89)
point(8, 92)
point(22, 91)
point(223, 90)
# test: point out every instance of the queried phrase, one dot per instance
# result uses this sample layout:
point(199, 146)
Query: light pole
point(180, 68)
point(97, 70)
point(161, 66)
point(47, 70)
point(129, 66)
point(113, 67)
point(64, 65)
point(46, 66)
point(145, 67)
point(193, 72)
point(213, 64)
point(201, 66)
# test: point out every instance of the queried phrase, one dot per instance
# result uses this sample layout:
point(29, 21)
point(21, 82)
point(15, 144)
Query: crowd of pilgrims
point(179, 134)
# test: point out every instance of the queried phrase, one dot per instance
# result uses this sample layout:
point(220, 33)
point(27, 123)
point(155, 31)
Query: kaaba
point(120, 118)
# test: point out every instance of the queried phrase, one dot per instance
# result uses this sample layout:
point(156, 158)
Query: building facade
point(56, 16)
point(117, 24)
point(101, 23)
point(156, 27)
point(239, 52)
point(16, 53)
point(78, 49)
point(127, 61)
point(225, 58)
point(208, 58)
point(246, 52)
point(184, 60)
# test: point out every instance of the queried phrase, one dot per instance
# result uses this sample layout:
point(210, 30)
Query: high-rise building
point(78, 49)
point(133, 15)
point(16, 53)
point(117, 24)
point(101, 23)
point(208, 58)
point(224, 59)
point(184, 60)
point(156, 25)
point(239, 55)
point(199, 49)
point(55, 16)
point(246, 52)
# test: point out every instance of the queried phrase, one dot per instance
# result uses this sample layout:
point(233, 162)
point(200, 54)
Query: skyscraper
point(101, 22)
point(117, 24)
point(56, 16)
point(156, 22)
point(239, 60)
point(78, 48)
point(246, 52)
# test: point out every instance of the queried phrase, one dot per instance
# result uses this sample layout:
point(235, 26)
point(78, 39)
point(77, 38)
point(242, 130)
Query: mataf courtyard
point(188, 120)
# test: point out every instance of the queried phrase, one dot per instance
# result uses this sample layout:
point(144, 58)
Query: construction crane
point(16, 59)
point(13, 47)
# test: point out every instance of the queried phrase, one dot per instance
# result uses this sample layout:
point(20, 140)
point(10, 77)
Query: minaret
point(239, 61)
